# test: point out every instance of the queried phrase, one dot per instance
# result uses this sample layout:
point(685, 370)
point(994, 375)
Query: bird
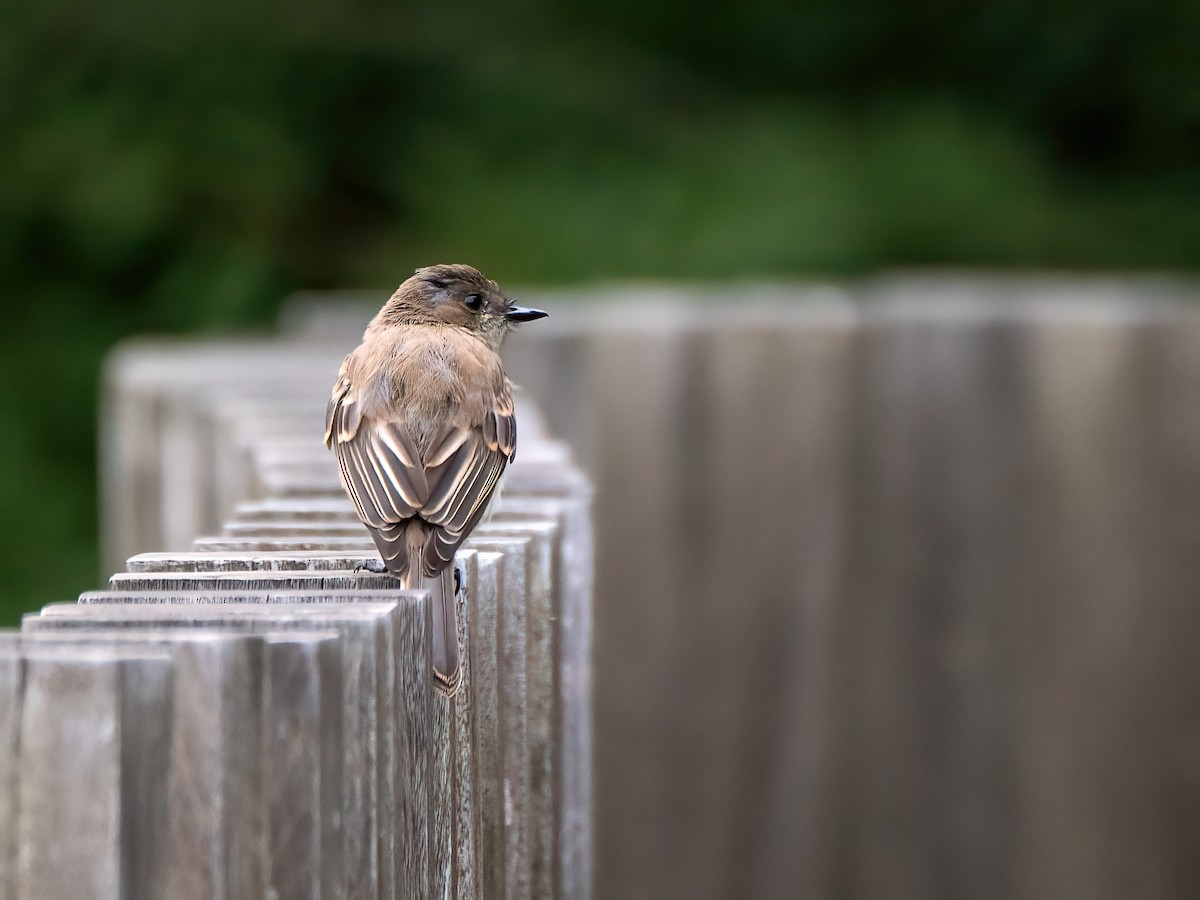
point(422, 425)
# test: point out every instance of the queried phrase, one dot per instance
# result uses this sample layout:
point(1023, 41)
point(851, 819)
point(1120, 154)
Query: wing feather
point(507, 433)
point(446, 446)
point(445, 479)
point(362, 483)
point(445, 541)
point(332, 409)
point(351, 419)
point(393, 457)
point(491, 431)
point(354, 488)
point(445, 489)
point(473, 488)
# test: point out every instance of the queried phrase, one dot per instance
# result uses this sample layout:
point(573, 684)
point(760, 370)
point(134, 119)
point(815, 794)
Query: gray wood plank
point(443, 798)
point(251, 581)
point(513, 713)
point(759, 618)
point(215, 785)
point(1171, 690)
point(306, 544)
point(482, 647)
point(1101, 599)
point(930, 704)
point(276, 509)
point(465, 834)
point(416, 845)
point(646, 770)
point(574, 623)
point(12, 677)
point(193, 561)
point(147, 685)
point(541, 697)
point(231, 598)
point(302, 751)
point(294, 528)
point(73, 838)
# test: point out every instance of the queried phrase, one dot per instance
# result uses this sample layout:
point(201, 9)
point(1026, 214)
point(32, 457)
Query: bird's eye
point(473, 301)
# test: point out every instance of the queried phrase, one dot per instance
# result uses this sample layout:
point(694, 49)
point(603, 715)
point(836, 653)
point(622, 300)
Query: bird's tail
point(447, 669)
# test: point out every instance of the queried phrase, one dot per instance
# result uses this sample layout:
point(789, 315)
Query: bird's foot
point(374, 566)
point(459, 580)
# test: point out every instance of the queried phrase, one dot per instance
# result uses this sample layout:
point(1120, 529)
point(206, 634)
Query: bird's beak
point(523, 314)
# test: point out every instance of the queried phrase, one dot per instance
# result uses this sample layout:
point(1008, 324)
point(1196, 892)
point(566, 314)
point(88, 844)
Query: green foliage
point(173, 168)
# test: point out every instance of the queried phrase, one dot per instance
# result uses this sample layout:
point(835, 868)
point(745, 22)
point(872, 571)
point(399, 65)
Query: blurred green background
point(181, 168)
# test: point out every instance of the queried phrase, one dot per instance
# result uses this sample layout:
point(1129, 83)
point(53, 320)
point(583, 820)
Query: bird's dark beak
point(524, 314)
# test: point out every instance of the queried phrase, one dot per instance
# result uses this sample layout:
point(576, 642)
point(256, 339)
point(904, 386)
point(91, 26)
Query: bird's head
point(456, 295)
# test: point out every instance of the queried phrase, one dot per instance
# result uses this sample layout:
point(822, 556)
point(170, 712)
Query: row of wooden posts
point(898, 584)
point(248, 716)
point(896, 599)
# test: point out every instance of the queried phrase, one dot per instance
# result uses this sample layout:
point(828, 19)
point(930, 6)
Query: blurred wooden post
point(891, 585)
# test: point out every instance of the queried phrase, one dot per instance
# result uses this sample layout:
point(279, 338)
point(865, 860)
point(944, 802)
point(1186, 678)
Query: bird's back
point(422, 424)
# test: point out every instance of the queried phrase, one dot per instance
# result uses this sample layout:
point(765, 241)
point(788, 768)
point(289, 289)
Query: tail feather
point(447, 667)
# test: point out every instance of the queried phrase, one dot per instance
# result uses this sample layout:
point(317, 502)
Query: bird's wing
point(447, 486)
point(380, 468)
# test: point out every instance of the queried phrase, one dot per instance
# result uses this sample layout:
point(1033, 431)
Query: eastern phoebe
point(421, 422)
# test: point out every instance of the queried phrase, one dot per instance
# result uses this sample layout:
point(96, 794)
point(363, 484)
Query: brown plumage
point(421, 422)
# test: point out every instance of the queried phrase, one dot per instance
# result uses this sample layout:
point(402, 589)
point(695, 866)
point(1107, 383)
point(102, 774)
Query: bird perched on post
point(421, 423)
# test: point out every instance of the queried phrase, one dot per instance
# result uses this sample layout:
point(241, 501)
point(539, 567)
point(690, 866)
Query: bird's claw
point(374, 566)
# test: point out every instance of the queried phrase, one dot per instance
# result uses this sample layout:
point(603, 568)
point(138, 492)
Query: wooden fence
point(898, 590)
point(251, 718)
point(898, 584)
